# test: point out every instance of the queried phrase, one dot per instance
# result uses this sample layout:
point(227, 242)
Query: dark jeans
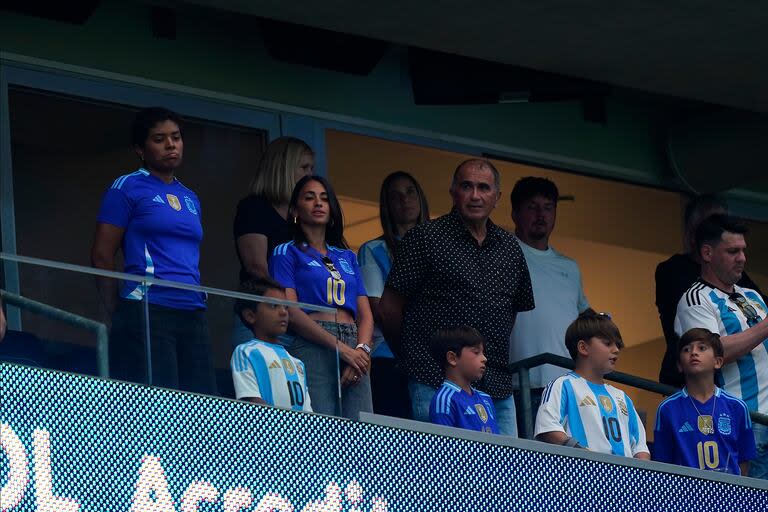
point(181, 350)
point(390, 389)
point(535, 403)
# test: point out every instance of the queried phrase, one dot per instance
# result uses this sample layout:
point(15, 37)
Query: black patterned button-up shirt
point(448, 280)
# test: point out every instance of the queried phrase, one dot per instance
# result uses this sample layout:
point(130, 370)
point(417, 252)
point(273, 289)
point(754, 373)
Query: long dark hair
point(334, 231)
point(387, 224)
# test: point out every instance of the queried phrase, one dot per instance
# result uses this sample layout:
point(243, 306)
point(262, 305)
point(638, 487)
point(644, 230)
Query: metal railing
point(521, 368)
point(102, 336)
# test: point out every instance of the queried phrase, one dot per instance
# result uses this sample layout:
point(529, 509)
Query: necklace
point(705, 423)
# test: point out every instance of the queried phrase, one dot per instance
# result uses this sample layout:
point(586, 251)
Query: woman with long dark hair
point(318, 268)
point(402, 205)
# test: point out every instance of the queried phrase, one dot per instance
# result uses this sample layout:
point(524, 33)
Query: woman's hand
point(357, 358)
point(349, 377)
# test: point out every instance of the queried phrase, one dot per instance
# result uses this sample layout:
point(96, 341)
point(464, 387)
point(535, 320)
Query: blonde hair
point(274, 179)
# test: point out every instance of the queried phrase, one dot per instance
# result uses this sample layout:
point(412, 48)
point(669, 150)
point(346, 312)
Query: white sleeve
point(695, 314)
point(243, 377)
point(548, 416)
point(372, 275)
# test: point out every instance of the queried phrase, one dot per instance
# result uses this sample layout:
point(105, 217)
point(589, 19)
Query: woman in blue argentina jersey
point(155, 220)
point(318, 268)
point(402, 205)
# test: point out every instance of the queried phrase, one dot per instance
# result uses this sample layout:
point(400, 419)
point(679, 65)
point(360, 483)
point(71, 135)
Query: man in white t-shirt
point(556, 281)
point(716, 303)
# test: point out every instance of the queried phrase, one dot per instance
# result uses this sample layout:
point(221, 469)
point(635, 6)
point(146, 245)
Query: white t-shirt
point(267, 371)
point(710, 308)
point(599, 416)
point(559, 297)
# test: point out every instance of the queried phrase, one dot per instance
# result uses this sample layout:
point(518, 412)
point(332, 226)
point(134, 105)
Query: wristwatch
point(365, 347)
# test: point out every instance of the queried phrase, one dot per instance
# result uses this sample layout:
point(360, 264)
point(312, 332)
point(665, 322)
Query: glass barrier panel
point(239, 345)
point(58, 320)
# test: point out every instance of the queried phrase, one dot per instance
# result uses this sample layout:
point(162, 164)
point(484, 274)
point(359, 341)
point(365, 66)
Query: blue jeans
point(759, 466)
point(323, 369)
point(421, 397)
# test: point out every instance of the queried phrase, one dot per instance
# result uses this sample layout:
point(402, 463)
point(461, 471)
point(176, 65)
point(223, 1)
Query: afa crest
point(724, 424)
point(346, 267)
point(288, 365)
point(622, 406)
point(173, 201)
point(190, 205)
point(482, 412)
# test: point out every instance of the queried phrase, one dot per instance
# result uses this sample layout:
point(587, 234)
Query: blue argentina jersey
point(454, 407)
point(375, 264)
point(266, 370)
point(162, 236)
point(710, 308)
point(715, 435)
point(302, 268)
point(599, 416)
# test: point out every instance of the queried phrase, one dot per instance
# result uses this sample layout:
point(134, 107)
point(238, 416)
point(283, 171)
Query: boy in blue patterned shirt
point(459, 351)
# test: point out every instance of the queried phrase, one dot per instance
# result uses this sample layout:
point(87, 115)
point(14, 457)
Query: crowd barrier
point(78, 443)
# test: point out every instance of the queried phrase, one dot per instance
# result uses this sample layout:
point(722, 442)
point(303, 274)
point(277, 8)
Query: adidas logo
point(587, 401)
point(686, 427)
point(158, 199)
point(274, 365)
point(469, 411)
point(313, 263)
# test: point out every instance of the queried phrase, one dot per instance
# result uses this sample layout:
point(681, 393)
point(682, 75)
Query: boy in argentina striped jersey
point(262, 370)
point(579, 409)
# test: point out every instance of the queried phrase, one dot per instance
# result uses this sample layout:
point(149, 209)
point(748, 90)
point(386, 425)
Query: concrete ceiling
point(715, 52)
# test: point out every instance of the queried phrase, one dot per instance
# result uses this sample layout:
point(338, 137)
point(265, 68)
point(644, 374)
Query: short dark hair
point(454, 339)
point(146, 119)
point(702, 335)
point(254, 287)
point(591, 325)
point(711, 229)
point(530, 187)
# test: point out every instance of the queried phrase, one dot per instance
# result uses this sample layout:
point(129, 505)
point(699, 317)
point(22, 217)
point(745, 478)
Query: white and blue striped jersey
point(710, 308)
point(267, 371)
point(598, 416)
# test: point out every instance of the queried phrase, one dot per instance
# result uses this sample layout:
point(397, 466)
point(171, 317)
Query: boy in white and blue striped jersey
point(262, 370)
point(579, 409)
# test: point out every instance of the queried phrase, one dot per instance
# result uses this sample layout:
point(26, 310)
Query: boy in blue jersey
point(579, 409)
point(459, 351)
point(262, 370)
point(702, 426)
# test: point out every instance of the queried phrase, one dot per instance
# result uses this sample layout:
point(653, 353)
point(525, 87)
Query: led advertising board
point(75, 443)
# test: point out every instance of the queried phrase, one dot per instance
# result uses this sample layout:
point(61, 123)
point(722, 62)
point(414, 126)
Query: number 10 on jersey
point(335, 289)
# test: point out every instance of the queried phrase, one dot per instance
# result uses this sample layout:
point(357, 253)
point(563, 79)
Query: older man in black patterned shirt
point(460, 269)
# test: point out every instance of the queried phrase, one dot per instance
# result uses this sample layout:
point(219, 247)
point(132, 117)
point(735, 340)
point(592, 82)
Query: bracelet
point(365, 348)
